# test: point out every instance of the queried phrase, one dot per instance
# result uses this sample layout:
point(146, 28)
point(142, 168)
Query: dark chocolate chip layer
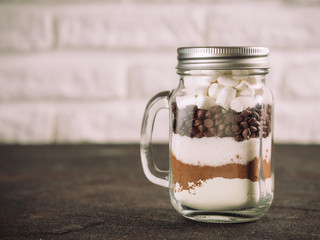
point(216, 121)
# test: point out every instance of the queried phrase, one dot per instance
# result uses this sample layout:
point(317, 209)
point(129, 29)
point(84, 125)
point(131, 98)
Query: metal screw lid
point(190, 58)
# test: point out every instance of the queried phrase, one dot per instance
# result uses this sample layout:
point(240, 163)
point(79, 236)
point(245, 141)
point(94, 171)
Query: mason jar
point(220, 135)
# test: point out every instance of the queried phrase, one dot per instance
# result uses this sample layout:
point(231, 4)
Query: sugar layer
point(215, 151)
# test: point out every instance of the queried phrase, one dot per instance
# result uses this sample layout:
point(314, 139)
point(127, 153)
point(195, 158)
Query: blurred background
point(82, 71)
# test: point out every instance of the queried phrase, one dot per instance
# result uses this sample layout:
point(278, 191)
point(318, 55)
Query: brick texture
point(26, 123)
point(105, 122)
point(130, 27)
point(25, 29)
point(272, 25)
point(301, 79)
point(75, 71)
point(61, 76)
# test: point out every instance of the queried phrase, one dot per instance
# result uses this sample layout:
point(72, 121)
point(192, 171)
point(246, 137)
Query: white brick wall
point(73, 71)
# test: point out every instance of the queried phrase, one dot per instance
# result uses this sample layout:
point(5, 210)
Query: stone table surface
point(100, 192)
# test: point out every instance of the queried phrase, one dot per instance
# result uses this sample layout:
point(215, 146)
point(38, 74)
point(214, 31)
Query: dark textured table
point(100, 192)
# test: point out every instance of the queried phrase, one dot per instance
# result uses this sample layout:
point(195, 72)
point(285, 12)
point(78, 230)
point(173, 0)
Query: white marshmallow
point(183, 101)
point(228, 81)
point(226, 95)
point(197, 85)
point(204, 102)
point(245, 89)
point(200, 91)
point(214, 90)
point(193, 82)
point(241, 103)
point(255, 82)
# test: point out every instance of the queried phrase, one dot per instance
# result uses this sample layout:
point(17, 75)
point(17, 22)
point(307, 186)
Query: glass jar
point(221, 115)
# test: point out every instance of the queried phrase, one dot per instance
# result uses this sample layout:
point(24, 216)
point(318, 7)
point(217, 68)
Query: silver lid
point(190, 58)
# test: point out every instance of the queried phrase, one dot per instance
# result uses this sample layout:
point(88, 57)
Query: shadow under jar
point(221, 115)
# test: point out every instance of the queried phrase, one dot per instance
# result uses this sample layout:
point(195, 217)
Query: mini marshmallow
point(245, 89)
point(194, 82)
point(183, 101)
point(228, 81)
point(200, 91)
point(241, 103)
point(255, 82)
point(214, 90)
point(204, 102)
point(197, 85)
point(226, 95)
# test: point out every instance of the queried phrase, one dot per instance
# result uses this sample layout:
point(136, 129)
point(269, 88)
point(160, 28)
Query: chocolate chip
point(246, 133)
point(209, 114)
point(262, 120)
point(251, 121)
point(208, 134)
point(216, 109)
point(201, 113)
point(253, 129)
point(197, 122)
point(198, 135)
point(218, 116)
point(255, 115)
point(239, 132)
point(244, 125)
point(265, 128)
point(228, 131)
point(239, 118)
point(201, 128)
point(256, 124)
point(235, 128)
point(245, 113)
point(218, 121)
point(229, 118)
point(221, 127)
point(208, 123)
point(239, 138)
point(213, 131)
point(220, 134)
point(193, 131)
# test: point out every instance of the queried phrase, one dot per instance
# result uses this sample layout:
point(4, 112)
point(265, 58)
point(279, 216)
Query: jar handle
point(156, 176)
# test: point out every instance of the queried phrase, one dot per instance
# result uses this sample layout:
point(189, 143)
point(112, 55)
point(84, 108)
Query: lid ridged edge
point(200, 52)
point(222, 57)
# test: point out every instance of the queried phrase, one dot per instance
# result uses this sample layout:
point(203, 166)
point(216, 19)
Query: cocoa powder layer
point(187, 173)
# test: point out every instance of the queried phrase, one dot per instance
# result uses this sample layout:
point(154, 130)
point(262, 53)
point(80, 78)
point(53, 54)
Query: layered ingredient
point(221, 144)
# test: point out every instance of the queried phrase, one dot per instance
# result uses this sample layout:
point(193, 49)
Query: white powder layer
point(220, 194)
point(215, 151)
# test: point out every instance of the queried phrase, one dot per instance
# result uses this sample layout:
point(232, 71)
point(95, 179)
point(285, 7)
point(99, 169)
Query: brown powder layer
point(184, 173)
